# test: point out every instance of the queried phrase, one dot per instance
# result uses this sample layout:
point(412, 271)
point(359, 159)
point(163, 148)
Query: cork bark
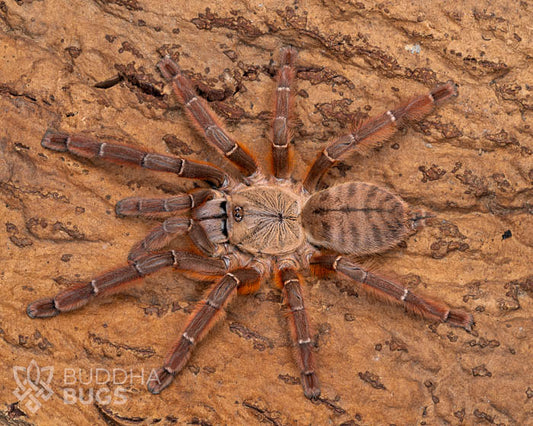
point(89, 66)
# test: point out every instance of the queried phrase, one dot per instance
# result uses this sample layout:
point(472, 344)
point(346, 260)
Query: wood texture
point(90, 67)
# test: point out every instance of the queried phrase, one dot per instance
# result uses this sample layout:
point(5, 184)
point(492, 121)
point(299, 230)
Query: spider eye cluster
point(238, 213)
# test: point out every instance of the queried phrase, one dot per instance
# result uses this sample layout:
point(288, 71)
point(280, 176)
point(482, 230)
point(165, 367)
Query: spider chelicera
point(259, 224)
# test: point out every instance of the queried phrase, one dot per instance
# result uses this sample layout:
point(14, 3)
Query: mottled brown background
point(470, 164)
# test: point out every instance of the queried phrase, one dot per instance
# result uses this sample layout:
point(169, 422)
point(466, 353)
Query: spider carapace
point(259, 224)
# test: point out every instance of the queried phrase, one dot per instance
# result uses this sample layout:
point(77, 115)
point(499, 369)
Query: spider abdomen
point(355, 218)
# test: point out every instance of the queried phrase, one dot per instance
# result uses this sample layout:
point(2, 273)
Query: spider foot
point(127, 206)
point(54, 140)
point(443, 92)
point(459, 318)
point(310, 385)
point(169, 69)
point(42, 308)
point(159, 380)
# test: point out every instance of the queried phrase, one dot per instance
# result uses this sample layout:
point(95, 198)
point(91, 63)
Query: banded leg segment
point(117, 279)
point(205, 119)
point(160, 236)
point(301, 335)
point(395, 292)
point(84, 146)
point(201, 321)
point(139, 206)
point(282, 133)
point(369, 133)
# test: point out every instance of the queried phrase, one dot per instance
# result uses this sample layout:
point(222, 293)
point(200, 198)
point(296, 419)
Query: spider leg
point(375, 130)
point(205, 119)
point(160, 236)
point(290, 281)
point(171, 228)
point(140, 206)
point(84, 146)
point(394, 292)
point(281, 126)
point(201, 240)
point(201, 320)
point(204, 230)
point(116, 280)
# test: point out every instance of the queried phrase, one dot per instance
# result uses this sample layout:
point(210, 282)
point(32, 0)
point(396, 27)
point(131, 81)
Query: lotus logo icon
point(33, 384)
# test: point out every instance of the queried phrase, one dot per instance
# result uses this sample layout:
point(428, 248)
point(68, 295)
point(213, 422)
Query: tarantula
point(256, 225)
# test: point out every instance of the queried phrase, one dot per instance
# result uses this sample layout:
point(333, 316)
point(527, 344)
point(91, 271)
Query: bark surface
point(90, 66)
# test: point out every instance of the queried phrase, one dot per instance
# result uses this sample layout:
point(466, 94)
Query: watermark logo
point(33, 385)
point(81, 386)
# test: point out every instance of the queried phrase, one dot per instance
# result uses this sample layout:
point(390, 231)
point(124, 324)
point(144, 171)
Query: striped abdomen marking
point(355, 218)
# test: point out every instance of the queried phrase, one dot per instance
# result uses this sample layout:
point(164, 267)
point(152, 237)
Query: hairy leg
point(87, 147)
point(117, 279)
point(205, 119)
point(283, 114)
point(369, 133)
point(290, 282)
point(160, 236)
point(206, 314)
point(394, 292)
point(140, 206)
